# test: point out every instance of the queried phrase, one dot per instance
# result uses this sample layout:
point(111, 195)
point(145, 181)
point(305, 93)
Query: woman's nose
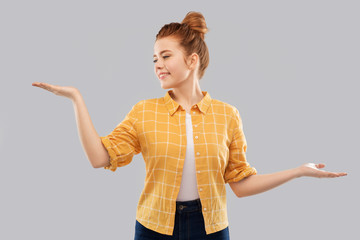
point(159, 64)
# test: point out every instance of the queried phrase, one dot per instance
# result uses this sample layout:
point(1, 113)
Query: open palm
point(313, 170)
point(65, 91)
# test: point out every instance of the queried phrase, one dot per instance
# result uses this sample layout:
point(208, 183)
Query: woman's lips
point(162, 76)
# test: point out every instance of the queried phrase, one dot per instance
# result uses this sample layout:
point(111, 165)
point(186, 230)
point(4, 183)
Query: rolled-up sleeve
point(238, 167)
point(122, 143)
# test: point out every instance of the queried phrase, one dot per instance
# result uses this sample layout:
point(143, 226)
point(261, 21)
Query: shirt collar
point(173, 106)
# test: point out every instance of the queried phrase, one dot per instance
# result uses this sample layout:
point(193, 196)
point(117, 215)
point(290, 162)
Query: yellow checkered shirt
point(157, 128)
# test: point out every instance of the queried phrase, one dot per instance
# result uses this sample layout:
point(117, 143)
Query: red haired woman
point(192, 144)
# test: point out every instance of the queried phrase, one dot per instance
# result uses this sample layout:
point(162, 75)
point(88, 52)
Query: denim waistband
point(188, 206)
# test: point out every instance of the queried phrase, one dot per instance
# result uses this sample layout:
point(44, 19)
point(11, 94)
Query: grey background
point(290, 67)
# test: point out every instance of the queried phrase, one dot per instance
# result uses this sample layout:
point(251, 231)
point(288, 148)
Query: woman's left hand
point(312, 170)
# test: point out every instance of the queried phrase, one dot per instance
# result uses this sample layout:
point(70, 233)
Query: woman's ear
point(193, 60)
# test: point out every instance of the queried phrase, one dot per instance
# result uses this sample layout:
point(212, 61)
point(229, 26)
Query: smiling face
point(169, 59)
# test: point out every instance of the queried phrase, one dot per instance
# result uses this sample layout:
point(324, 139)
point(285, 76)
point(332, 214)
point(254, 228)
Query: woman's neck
point(188, 95)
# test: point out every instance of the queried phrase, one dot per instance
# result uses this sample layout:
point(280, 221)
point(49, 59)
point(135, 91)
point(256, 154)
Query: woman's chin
point(165, 86)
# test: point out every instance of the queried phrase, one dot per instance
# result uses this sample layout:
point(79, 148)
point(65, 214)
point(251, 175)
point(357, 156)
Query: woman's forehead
point(167, 43)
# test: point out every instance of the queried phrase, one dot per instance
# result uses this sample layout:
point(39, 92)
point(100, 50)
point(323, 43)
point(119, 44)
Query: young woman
point(192, 144)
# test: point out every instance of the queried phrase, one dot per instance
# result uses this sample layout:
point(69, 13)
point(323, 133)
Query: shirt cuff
point(243, 174)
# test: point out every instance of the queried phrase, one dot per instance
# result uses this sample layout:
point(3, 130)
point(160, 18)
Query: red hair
point(190, 33)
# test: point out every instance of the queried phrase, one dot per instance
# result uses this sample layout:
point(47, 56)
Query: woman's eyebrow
point(162, 52)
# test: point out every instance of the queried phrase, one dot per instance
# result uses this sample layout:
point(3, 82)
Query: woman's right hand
point(69, 92)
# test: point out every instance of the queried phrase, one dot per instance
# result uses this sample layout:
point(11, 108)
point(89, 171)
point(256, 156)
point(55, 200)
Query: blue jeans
point(189, 225)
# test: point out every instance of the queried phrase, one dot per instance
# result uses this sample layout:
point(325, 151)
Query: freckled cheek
point(171, 70)
point(174, 68)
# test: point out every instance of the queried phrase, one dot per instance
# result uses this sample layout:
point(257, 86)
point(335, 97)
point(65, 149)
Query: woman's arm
point(90, 140)
point(255, 184)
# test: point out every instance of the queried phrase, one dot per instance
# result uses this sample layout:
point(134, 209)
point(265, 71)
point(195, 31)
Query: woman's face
point(169, 59)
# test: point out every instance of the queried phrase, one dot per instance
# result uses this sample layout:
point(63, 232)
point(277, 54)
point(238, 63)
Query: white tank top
point(188, 188)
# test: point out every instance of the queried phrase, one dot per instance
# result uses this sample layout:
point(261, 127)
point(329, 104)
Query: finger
point(36, 84)
point(44, 86)
point(334, 174)
point(328, 175)
point(320, 165)
point(342, 174)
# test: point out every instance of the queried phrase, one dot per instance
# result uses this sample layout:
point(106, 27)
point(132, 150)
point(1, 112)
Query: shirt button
point(196, 137)
point(195, 125)
point(198, 171)
point(204, 208)
point(198, 153)
point(193, 112)
point(200, 189)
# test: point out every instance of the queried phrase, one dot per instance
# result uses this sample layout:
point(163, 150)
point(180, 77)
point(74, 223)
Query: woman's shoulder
point(222, 105)
point(151, 102)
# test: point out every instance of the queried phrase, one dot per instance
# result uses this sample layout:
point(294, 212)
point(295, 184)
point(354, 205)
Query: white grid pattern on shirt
point(157, 129)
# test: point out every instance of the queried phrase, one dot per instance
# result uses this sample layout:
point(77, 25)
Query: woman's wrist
point(75, 95)
point(298, 172)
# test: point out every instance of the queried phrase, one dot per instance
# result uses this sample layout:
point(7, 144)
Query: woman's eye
point(163, 57)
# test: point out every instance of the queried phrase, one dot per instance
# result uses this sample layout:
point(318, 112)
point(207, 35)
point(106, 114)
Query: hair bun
point(196, 21)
